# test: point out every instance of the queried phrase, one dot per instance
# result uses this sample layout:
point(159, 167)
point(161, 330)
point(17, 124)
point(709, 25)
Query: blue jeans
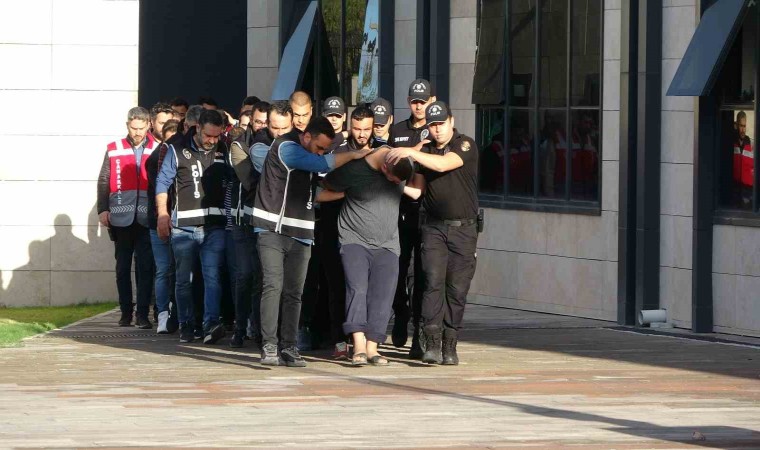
point(247, 279)
point(164, 259)
point(208, 244)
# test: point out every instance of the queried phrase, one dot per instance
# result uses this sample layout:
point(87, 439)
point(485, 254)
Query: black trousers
point(449, 259)
point(325, 273)
point(133, 241)
point(283, 265)
point(408, 298)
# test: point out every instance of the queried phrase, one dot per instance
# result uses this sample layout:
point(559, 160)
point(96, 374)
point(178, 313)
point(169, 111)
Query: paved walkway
point(527, 381)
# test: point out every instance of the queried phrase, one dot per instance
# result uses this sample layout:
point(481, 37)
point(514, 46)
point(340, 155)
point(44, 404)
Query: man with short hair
point(244, 120)
point(247, 285)
point(283, 217)
point(369, 244)
point(248, 103)
point(302, 107)
point(449, 175)
point(412, 133)
point(123, 209)
point(208, 103)
point(191, 118)
point(163, 257)
point(259, 116)
point(743, 163)
point(195, 167)
point(383, 111)
point(179, 106)
point(159, 114)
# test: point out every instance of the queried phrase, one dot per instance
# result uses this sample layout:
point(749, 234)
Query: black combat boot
point(433, 339)
point(449, 349)
point(418, 340)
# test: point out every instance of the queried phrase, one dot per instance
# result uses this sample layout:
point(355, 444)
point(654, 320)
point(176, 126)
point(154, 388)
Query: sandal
point(378, 360)
point(359, 359)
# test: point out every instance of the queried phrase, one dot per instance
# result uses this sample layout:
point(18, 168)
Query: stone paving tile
point(527, 381)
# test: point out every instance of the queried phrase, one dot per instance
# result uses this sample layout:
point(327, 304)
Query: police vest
point(744, 163)
point(284, 201)
point(128, 196)
point(199, 184)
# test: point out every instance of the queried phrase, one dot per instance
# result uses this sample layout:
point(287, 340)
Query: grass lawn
point(18, 323)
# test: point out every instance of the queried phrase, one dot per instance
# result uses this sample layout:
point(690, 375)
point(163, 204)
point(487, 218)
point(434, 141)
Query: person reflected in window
point(585, 156)
point(553, 150)
point(492, 165)
point(743, 163)
point(520, 163)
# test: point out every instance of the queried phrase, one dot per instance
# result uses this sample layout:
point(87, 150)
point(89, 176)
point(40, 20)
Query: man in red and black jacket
point(123, 209)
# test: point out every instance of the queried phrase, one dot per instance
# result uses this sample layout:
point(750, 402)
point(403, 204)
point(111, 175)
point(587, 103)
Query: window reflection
point(585, 163)
point(354, 37)
point(492, 152)
point(522, 51)
point(737, 159)
point(521, 152)
point(553, 91)
point(553, 153)
point(586, 52)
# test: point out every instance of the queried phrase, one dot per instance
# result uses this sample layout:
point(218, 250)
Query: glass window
point(586, 48)
point(553, 90)
point(488, 83)
point(553, 127)
point(521, 137)
point(735, 90)
point(354, 37)
point(553, 148)
point(522, 51)
point(493, 152)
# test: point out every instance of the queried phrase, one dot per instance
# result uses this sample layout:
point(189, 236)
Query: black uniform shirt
point(403, 134)
point(454, 194)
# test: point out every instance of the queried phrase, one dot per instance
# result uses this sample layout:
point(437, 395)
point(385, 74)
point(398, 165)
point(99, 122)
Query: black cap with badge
point(333, 105)
point(382, 109)
point(437, 112)
point(420, 89)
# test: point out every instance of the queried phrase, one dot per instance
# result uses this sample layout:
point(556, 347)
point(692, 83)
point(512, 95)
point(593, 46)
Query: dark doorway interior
point(192, 48)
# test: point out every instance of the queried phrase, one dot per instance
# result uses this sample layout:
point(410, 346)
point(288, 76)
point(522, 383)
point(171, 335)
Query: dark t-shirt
point(369, 216)
point(454, 194)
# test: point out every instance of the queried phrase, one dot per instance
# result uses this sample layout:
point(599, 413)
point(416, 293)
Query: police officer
point(383, 111)
point(449, 174)
point(411, 132)
point(196, 168)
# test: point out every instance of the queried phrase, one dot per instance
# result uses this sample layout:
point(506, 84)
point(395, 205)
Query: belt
point(451, 223)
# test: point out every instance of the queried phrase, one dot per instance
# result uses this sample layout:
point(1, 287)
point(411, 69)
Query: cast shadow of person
point(31, 284)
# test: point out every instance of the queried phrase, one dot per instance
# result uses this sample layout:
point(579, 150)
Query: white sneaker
point(163, 318)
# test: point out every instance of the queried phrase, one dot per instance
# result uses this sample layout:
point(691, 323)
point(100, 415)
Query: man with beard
point(163, 256)
point(248, 277)
point(195, 167)
point(326, 243)
point(283, 217)
point(123, 209)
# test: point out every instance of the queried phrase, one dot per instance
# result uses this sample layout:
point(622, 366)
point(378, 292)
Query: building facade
point(608, 187)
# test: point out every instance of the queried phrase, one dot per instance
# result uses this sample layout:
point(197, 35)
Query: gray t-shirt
point(369, 216)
